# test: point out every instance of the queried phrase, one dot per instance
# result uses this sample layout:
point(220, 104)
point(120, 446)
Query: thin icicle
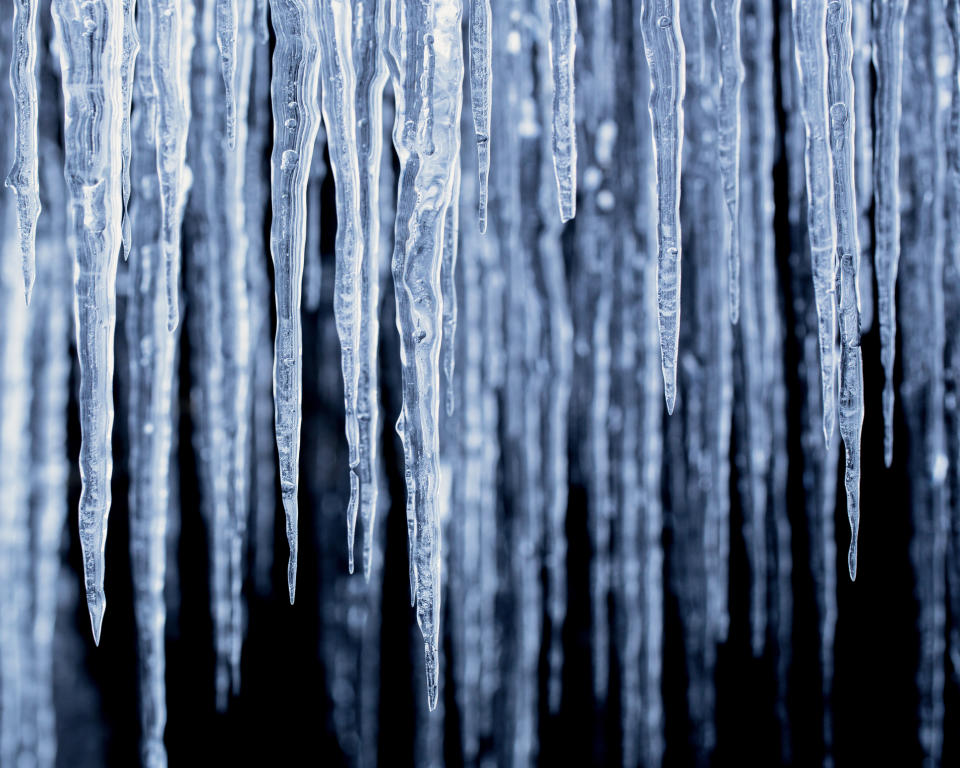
point(809, 21)
point(23, 178)
point(863, 149)
point(888, 16)
point(339, 115)
point(726, 13)
point(371, 76)
point(563, 47)
point(296, 118)
point(228, 24)
point(91, 38)
point(660, 25)
point(842, 122)
point(481, 53)
point(424, 41)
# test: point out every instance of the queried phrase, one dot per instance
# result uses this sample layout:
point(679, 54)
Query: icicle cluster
point(534, 243)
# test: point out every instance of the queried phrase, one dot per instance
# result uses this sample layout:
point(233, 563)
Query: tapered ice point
point(96, 606)
point(291, 512)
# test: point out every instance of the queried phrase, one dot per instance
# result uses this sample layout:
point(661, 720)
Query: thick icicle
point(809, 21)
point(91, 38)
point(170, 77)
point(842, 122)
point(228, 28)
point(660, 25)
point(448, 289)
point(888, 16)
point(339, 115)
point(563, 46)
point(726, 13)
point(481, 53)
point(23, 178)
point(371, 77)
point(863, 149)
point(425, 48)
point(296, 118)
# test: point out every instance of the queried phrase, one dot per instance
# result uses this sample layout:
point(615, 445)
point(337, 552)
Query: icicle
point(339, 103)
point(238, 352)
point(863, 149)
point(371, 75)
point(23, 178)
point(563, 47)
point(560, 329)
point(296, 117)
point(726, 13)
point(660, 25)
point(888, 16)
point(312, 263)
point(427, 140)
point(170, 77)
point(842, 122)
point(15, 623)
point(256, 195)
point(90, 57)
point(228, 21)
point(150, 420)
point(921, 295)
point(131, 50)
point(809, 20)
point(481, 52)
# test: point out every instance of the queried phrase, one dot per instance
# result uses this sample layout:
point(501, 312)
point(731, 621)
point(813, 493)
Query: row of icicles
point(127, 69)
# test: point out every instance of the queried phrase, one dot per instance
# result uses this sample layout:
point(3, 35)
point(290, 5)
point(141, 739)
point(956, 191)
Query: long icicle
point(427, 140)
point(339, 105)
point(91, 38)
point(481, 53)
point(888, 16)
point(23, 178)
point(296, 119)
point(726, 13)
point(563, 46)
point(371, 75)
point(842, 126)
point(660, 25)
point(809, 21)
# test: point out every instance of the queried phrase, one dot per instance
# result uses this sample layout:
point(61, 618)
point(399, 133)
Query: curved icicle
point(888, 17)
point(481, 53)
point(23, 178)
point(228, 21)
point(563, 47)
point(809, 21)
point(726, 13)
point(91, 39)
point(424, 48)
point(296, 119)
point(842, 123)
point(660, 24)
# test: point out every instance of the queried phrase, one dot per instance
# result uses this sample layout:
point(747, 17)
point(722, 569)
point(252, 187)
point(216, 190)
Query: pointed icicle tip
point(852, 561)
point(432, 666)
point(670, 395)
point(96, 606)
point(27, 291)
point(291, 513)
point(292, 577)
